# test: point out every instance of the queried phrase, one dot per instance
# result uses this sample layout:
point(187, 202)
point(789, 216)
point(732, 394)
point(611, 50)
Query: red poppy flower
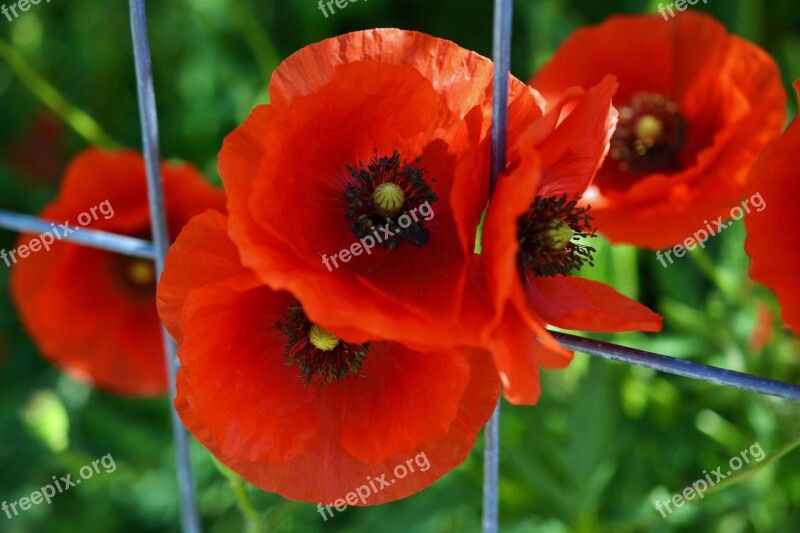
point(535, 238)
point(360, 187)
point(296, 407)
point(771, 244)
point(92, 312)
point(697, 105)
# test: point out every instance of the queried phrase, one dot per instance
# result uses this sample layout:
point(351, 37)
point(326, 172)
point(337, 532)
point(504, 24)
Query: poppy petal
point(773, 250)
point(463, 76)
point(576, 148)
point(571, 302)
point(326, 473)
point(372, 283)
point(233, 357)
point(208, 256)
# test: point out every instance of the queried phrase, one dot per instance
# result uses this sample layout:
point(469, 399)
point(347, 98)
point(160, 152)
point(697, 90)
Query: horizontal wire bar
point(140, 248)
point(103, 240)
point(679, 367)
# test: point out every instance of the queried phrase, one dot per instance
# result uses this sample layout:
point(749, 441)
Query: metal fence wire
point(156, 250)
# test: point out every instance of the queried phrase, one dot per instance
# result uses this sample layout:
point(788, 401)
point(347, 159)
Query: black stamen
point(360, 205)
point(650, 135)
point(318, 367)
point(541, 250)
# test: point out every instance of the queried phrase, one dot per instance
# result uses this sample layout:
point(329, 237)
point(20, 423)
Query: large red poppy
point(373, 128)
point(536, 236)
point(92, 312)
point(297, 407)
point(697, 105)
point(772, 245)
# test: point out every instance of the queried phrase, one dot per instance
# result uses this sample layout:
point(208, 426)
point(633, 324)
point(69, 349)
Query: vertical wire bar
point(149, 120)
point(501, 55)
point(491, 473)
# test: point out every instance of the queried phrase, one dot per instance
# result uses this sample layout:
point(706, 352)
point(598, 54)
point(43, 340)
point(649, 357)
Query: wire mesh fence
point(157, 247)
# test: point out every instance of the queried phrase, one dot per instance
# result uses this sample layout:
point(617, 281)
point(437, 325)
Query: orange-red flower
point(93, 312)
point(360, 187)
point(297, 407)
point(773, 247)
point(697, 105)
point(536, 236)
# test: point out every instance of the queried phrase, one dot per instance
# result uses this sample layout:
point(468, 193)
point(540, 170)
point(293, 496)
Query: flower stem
point(246, 505)
point(745, 474)
point(77, 119)
point(704, 263)
point(625, 270)
point(237, 484)
point(259, 41)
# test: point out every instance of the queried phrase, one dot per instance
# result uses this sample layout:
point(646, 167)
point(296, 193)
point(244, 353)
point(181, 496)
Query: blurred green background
point(605, 440)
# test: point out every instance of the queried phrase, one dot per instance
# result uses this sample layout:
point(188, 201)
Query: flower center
point(389, 194)
point(140, 272)
point(321, 339)
point(650, 135)
point(137, 277)
point(547, 236)
point(321, 356)
point(388, 199)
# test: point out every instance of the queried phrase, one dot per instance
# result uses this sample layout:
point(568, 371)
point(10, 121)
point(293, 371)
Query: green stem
point(646, 522)
point(246, 505)
point(625, 270)
point(704, 263)
point(259, 41)
point(753, 470)
point(251, 516)
point(78, 120)
point(479, 234)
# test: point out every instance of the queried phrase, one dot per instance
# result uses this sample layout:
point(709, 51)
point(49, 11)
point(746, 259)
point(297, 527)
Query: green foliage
point(606, 439)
